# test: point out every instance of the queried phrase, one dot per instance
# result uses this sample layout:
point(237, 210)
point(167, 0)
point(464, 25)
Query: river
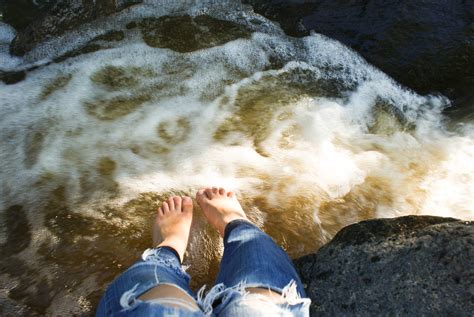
point(165, 99)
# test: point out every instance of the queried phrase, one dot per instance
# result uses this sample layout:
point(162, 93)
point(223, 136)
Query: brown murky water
point(309, 136)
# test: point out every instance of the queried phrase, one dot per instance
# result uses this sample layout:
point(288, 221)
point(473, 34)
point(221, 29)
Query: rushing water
point(175, 97)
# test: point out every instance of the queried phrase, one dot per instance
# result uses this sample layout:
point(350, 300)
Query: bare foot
point(220, 207)
point(172, 224)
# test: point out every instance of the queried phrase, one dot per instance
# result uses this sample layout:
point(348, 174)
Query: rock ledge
point(413, 265)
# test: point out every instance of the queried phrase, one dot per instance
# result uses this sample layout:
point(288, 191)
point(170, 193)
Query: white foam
point(333, 154)
point(7, 62)
point(7, 33)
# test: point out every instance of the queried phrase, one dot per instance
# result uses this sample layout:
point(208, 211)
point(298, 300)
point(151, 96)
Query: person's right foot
point(220, 207)
point(172, 224)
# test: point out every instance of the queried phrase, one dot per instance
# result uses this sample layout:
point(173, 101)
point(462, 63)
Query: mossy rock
point(187, 34)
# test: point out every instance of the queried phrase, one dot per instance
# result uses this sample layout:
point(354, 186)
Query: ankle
point(173, 250)
point(231, 219)
point(175, 243)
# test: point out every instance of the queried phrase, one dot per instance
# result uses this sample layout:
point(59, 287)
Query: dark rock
point(58, 18)
point(131, 25)
point(18, 231)
point(187, 34)
point(407, 266)
point(86, 49)
point(112, 36)
point(11, 78)
point(20, 13)
point(93, 45)
point(425, 45)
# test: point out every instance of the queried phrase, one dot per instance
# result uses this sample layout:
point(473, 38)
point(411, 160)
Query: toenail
point(221, 191)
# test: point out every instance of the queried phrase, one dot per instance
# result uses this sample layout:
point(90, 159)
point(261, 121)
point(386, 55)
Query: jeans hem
point(234, 224)
point(171, 250)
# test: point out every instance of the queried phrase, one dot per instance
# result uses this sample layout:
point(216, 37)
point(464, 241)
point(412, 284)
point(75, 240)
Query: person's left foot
point(172, 224)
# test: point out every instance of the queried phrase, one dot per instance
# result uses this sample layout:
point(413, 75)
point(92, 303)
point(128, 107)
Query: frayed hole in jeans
point(128, 297)
point(219, 294)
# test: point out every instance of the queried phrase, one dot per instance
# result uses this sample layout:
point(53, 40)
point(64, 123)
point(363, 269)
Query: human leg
point(252, 263)
point(157, 283)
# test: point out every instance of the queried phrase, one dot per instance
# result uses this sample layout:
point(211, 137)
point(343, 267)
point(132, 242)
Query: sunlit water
point(308, 135)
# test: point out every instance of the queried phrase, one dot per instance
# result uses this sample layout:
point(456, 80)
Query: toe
point(230, 194)
point(215, 190)
point(165, 208)
point(187, 204)
point(201, 195)
point(171, 204)
point(177, 203)
point(208, 192)
point(160, 212)
point(222, 191)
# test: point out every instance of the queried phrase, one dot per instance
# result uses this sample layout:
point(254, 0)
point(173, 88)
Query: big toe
point(187, 204)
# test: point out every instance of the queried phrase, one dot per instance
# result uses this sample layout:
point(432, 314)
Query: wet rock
point(56, 18)
point(18, 231)
point(112, 36)
point(425, 45)
point(409, 266)
point(11, 78)
point(96, 44)
point(131, 25)
point(86, 49)
point(20, 13)
point(187, 34)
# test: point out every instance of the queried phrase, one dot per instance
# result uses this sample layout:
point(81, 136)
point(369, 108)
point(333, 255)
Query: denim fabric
point(255, 305)
point(250, 255)
point(156, 266)
point(251, 259)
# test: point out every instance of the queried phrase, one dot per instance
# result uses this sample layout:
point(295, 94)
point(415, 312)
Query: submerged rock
point(408, 266)
point(425, 45)
point(187, 34)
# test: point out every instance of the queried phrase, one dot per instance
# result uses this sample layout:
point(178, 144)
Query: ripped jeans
point(251, 260)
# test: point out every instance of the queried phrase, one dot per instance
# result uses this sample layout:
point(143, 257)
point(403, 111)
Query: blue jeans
point(251, 259)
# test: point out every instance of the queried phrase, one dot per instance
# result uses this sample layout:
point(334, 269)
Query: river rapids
point(165, 99)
